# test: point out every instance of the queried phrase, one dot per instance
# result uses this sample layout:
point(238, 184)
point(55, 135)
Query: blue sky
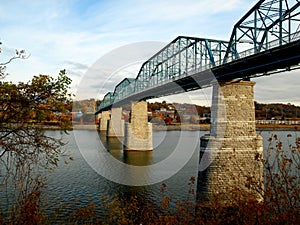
point(75, 34)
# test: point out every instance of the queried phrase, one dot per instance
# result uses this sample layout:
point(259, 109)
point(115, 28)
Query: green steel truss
point(269, 24)
point(183, 56)
point(123, 88)
point(107, 100)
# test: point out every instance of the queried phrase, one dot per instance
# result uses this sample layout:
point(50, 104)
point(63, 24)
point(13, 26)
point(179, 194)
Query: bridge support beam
point(230, 158)
point(115, 126)
point(105, 116)
point(138, 132)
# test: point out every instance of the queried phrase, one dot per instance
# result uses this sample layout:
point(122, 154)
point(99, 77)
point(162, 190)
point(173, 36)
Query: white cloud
point(283, 87)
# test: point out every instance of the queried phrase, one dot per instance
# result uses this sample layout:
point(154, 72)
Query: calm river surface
point(80, 179)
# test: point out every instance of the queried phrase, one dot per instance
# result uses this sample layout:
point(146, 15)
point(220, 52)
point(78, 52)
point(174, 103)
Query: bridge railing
point(272, 44)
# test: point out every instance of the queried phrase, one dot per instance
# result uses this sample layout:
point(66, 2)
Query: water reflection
point(114, 146)
point(138, 158)
point(111, 143)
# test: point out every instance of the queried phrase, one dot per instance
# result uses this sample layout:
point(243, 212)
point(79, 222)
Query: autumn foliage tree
point(25, 147)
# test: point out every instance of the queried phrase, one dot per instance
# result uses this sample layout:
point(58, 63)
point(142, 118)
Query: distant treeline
point(278, 111)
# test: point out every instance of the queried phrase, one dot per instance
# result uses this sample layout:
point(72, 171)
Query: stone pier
point(138, 132)
point(230, 157)
point(105, 116)
point(115, 126)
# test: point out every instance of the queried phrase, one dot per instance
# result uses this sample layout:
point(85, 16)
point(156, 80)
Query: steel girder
point(269, 24)
point(107, 100)
point(179, 58)
point(122, 89)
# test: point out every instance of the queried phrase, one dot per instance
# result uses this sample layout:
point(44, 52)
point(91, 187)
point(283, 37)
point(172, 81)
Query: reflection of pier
point(231, 154)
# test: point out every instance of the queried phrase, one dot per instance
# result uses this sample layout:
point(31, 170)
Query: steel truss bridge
point(264, 41)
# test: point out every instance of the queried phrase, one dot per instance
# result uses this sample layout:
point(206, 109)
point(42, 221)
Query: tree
point(25, 147)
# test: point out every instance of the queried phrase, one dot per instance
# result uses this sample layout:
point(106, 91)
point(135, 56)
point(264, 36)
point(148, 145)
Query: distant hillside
point(277, 111)
point(85, 106)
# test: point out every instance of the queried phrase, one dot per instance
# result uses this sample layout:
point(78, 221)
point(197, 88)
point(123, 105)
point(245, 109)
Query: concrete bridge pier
point(138, 132)
point(230, 157)
point(105, 116)
point(115, 125)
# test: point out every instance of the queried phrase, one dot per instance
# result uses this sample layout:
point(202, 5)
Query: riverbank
point(206, 127)
point(283, 127)
point(185, 127)
point(198, 127)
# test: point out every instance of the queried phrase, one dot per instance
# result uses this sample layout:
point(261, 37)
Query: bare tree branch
point(20, 54)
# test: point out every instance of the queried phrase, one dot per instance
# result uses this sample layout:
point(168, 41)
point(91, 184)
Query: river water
point(100, 167)
point(80, 180)
point(84, 179)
